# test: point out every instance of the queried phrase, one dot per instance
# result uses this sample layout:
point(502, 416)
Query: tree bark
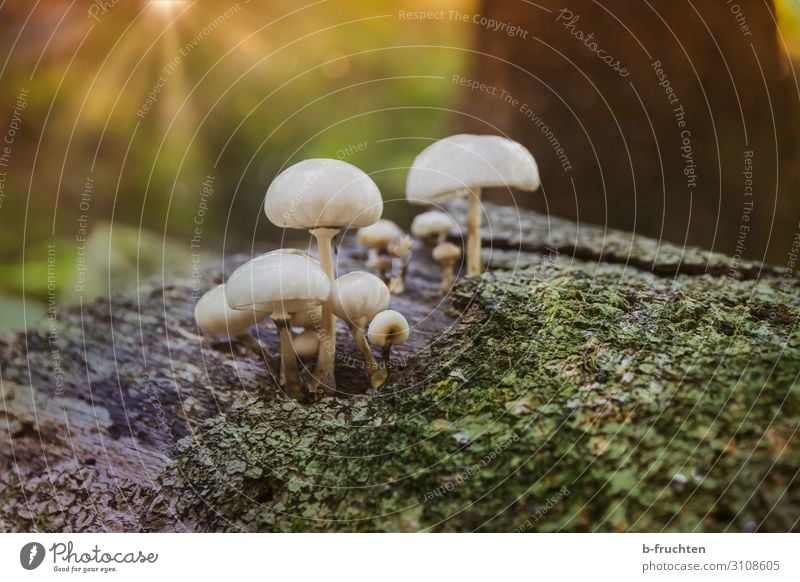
point(590, 380)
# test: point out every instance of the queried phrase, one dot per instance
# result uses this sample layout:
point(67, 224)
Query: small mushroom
point(377, 238)
point(401, 248)
point(433, 223)
point(356, 297)
point(306, 345)
point(215, 318)
point(388, 328)
point(460, 166)
point(323, 196)
point(447, 255)
point(280, 283)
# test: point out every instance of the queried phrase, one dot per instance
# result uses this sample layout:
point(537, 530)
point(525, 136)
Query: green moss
point(574, 398)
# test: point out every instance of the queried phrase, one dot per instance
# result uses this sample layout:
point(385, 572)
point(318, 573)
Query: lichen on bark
point(567, 389)
point(565, 398)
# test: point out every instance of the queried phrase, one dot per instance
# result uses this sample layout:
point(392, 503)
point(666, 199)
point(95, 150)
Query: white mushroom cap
point(432, 223)
point(307, 318)
point(449, 167)
point(306, 344)
point(280, 283)
point(388, 328)
point(446, 252)
point(379, 234)
point(213, 316)
point(323, 193)
point(357, 295)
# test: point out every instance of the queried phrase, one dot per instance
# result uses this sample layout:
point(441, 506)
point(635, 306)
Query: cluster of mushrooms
point(300, 292)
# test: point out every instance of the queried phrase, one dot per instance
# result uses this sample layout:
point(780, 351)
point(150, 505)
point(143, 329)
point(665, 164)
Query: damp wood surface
point(590, 380)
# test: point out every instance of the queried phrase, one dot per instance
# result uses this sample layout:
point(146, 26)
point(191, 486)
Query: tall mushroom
point(460, 166)
point(357, 297)
point(215, 318)
point(323, 196)
point(280, 283)
point(388, 328)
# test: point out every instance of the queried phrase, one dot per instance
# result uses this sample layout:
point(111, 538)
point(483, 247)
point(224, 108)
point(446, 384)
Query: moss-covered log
point(588, 381)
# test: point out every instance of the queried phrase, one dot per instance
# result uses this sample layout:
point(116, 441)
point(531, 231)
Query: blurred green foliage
point(145, 100)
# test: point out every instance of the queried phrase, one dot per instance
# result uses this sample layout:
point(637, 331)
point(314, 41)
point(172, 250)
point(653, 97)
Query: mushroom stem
point(323, 371)
point(385, 355)
point(474, 233)
point(377, 376)
point(398, 285)
point(447, 276)
point(253, 344)
point(294, 388)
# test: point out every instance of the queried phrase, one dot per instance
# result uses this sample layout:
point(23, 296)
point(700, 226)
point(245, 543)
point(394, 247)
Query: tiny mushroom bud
point(280, 283)
point(447, 255)
point(433, 223)
point(401, 248)
point(388, 328)
point(215, 318)
point(356, 297)
point(324, 196)
point(460, 166)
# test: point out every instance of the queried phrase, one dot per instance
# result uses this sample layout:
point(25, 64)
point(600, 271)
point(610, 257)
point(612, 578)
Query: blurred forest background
point(151, 128)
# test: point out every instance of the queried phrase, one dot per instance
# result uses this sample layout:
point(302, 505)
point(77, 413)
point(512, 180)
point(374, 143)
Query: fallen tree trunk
point(588, 381)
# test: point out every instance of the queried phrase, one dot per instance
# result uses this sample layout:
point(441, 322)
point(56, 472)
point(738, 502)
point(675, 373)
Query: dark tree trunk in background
point(620, 130)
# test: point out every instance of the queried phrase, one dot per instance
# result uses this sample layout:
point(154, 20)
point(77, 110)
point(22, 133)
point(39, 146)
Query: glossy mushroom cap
point(213, 316)
point(357, 295)
point(388, 328)
point(280, 282)
point(432, 223)
point(323, 193)
point(446, 252)
point(451, 166)
point(378, 235)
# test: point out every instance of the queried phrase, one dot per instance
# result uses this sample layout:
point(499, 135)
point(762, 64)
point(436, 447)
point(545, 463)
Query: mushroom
point(280, 283)
point(447, 255)
point(356, 297)
point(323, 196)
point(432, 223)
point(402, 250)
point(215, 318)
point(377, 238)
point(460, 166)
point(388, 328)
point(306, 345)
